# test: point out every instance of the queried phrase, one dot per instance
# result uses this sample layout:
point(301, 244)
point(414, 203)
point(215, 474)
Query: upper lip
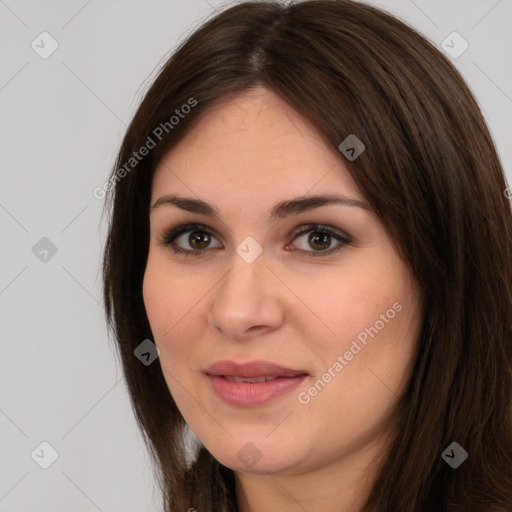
point(252, 369)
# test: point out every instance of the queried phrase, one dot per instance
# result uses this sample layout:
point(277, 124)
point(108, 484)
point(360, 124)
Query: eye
point(199, 236)
point(320, 238)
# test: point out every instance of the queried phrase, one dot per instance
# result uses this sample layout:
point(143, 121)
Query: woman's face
point(335, 304)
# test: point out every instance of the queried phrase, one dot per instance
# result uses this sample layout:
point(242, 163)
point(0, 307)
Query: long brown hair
point(431, 173)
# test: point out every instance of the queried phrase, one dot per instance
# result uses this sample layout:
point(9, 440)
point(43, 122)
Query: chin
point(262, 467)
point(257, 456)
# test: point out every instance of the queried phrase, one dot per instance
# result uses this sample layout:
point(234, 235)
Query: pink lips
point(250, 394)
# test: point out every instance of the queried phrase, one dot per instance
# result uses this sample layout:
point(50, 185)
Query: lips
point(254, 383)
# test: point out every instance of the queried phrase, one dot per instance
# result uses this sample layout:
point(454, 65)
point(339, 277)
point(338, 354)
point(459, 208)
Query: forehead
point(257, 145)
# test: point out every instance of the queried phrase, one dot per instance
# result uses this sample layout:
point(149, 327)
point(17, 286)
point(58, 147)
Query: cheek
point(157, 299)
point(173, 304)
point(374, 318)
point(164, 308)
point(345, 304)
point(169, 297)
point(377, 326)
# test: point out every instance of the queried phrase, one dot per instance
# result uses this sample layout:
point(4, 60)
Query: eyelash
point(171, 234)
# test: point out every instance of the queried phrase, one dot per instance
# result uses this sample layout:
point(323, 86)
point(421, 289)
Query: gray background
point(61, 121)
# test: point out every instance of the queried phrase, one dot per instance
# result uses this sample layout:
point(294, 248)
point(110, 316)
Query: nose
point(247, 302)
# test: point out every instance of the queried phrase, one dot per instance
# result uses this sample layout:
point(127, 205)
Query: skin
point(244, 156)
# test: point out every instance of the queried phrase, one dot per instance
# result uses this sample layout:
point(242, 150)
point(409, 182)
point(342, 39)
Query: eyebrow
point(279, 211)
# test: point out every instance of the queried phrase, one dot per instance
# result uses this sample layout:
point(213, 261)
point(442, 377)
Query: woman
point(309, 222)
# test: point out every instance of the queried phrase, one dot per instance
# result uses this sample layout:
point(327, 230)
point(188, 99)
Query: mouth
point(252, 380)
point(254, 383)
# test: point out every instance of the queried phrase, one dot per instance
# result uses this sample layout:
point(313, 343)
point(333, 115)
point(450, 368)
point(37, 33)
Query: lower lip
point(247, 394)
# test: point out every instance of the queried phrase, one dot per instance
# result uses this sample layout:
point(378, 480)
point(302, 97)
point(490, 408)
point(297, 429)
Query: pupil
point(319, 239)
point(196, 236)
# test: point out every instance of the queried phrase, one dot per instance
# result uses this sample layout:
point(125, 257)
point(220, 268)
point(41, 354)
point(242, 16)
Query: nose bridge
point(244, 277)
point(244, 298)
